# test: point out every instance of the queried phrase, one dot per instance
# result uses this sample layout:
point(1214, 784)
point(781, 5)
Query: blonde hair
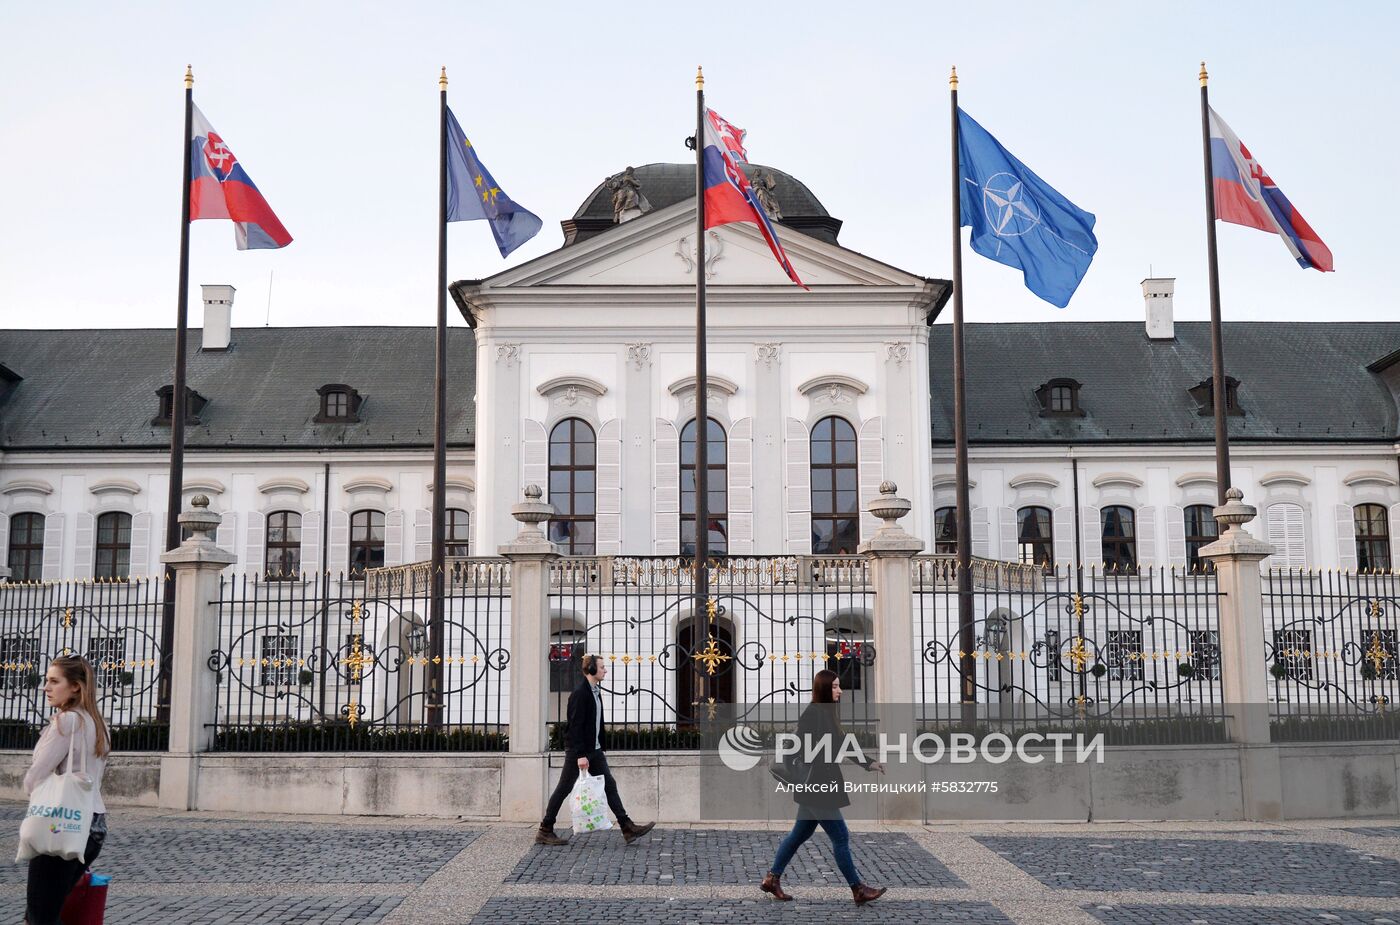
point(77, 671)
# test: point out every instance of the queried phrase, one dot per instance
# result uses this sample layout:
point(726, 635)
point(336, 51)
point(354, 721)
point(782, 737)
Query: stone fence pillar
point(1243, 671)
point(197, 563)
point(524, 769)
point(891, 552)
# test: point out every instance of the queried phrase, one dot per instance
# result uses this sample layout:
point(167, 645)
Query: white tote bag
point(60, 811)
point(589, 805)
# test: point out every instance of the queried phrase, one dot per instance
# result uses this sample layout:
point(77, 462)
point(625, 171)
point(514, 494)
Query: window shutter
point(310, 542)
point(870, 449)
point(1010, 542)
point(609, 514)
point(226, 537)
point(4, 539)
point(422, 536)
point(1346, 536)
point(797, 456)
point(981, 530)
point(53, 547)
point(534, 457)
point(339, 553)
point(255, 545)
point(1091, 537)
point(667, 509)
point(393, 538)
point(741, 488)
point(83, 545)
point(140, 545)
point(1145, 530)
point(1394, 538)
point(1176, 536)
point(1063, 528)
point(1286, 534)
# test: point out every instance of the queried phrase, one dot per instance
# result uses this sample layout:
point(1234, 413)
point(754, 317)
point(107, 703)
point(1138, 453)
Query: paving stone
point(242, 910)
point(1236, 915)
point(704, 856)
point(1198, 866)
point(1380, 831)
point(566, 910)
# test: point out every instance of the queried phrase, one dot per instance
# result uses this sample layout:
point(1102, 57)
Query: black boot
point(547, 837)
point(631, 831)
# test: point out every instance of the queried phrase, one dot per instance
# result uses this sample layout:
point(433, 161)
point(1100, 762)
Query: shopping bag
point(87, 902)
point(589, 805)
point(60, 812)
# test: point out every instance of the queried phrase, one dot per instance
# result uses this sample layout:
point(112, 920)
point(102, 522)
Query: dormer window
point(340, 404)
point(194, 404)
point(1204, 394)
point(1059, 398)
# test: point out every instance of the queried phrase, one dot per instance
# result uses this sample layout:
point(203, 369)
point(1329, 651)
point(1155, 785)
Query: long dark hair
point(76, 670)
point(821, 686)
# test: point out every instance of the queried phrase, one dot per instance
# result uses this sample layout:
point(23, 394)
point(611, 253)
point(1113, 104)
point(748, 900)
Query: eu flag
point(472, 194)
point(1020, 220)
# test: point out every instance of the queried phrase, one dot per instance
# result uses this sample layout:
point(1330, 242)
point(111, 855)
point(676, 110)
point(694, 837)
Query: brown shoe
point(773, 884)
point(547, 837)
point(863, 894)
point(631, 831)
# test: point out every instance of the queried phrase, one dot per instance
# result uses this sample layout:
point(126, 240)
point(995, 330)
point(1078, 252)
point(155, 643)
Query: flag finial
point(189, 77)
point(1203, 75)
point(699, 77)
point(953, 79)
point(442, 81)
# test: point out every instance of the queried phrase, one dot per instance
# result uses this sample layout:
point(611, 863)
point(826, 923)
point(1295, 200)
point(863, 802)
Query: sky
point(332, 109)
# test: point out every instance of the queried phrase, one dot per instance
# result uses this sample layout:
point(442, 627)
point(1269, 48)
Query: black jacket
point(582, 723)
point(819, 720)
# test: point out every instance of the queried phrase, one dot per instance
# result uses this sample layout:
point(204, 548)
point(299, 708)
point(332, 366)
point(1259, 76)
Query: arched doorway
point(696, 687)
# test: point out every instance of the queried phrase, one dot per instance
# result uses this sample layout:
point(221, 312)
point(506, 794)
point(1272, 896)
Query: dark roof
point(97, 388)
point(1298, 381)
point(665, 185)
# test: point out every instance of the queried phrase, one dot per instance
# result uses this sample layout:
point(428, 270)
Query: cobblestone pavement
point(232, 869)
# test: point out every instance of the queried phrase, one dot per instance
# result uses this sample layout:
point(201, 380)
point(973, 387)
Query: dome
point(664, 185)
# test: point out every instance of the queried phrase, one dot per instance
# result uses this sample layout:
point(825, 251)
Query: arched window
point(26, 547)
point(835, 497)
point(567, 647)
point(282, 561)
point(458, 533)
point(1119, 539)
point(1372, 536)
point(1201, 530)
point(945, 531)
point(573, 459)
point(366, 542)
point(1035, 536)
point(113, 546)
point(718, 470)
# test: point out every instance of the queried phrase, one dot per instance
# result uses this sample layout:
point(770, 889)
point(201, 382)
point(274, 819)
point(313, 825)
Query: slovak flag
point(1246, 195)
point(221, 188)
point(729, 197)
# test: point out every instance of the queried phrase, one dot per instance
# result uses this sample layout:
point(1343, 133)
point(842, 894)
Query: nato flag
point(1018, 219)
point(472, 194)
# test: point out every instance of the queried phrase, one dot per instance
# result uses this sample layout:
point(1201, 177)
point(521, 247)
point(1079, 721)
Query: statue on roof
point(764, 187)
point(627, 199)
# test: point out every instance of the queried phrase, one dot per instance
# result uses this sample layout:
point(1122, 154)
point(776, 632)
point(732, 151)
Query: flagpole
point(1217, 348)
point(702, 404)
point(175, 491)
point(437, 623)
point(967, 666)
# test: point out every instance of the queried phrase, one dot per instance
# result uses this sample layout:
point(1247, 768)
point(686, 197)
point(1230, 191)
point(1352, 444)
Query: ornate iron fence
point(325, 663)
point(769, 625)
point(1137, 655)
point(1330, 638)
point(115, 624)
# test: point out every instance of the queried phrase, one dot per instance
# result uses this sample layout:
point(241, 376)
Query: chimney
point(218, 317)
point(1157, 293)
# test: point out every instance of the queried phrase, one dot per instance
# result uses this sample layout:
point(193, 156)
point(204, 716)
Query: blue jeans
point(802, 830)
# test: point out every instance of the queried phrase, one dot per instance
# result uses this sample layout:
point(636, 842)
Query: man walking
point(583, 751)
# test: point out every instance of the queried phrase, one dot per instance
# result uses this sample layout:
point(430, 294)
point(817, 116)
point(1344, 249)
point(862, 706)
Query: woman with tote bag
point(65, 781)
point(820, 800)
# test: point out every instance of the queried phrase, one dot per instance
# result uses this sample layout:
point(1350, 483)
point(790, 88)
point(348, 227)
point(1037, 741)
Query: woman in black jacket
point(819, 801)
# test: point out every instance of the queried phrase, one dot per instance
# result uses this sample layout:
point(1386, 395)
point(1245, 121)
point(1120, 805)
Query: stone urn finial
point(201, 521)
point(1234, 513)
point(891, 537)
point(531, 513)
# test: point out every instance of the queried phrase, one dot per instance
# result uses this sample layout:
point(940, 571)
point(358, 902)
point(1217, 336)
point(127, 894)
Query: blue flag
point(472, 194)
point(1018, 219)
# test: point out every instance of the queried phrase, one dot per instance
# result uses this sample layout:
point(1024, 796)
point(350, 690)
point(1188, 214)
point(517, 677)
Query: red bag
point(87, 902)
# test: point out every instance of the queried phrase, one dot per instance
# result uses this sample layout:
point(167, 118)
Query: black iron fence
point(1330, 638)
point(1136, 656)
point(114, 624)
point(768, 625)
point(322, 663)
